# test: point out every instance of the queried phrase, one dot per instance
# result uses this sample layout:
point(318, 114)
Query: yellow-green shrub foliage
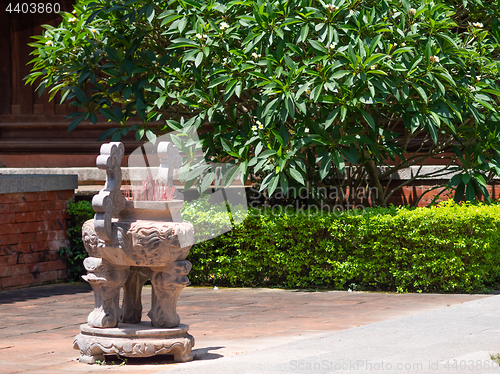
point(447, 248)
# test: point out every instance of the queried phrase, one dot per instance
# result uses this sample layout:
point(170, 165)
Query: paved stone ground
point(37, 325)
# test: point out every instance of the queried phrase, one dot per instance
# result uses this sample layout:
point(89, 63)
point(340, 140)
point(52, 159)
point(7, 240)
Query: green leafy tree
point(341, 92)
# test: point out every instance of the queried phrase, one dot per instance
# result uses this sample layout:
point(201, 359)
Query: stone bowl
point(166, 211)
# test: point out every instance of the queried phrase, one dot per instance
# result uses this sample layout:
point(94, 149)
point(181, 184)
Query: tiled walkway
point(37, 325)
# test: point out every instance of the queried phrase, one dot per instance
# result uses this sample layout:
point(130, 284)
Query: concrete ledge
point(89, 175)
point(36, 183)
point(92, 175)
point(85, 174)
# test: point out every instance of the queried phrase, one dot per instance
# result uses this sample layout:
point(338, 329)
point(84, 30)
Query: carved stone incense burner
point(128, 243)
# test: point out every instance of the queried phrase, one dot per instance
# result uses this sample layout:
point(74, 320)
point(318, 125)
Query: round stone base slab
point(133, 340)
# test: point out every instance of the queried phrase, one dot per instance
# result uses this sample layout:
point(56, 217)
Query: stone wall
point(33, 219)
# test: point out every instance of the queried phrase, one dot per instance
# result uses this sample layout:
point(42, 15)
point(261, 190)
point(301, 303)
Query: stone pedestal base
point(133, 340)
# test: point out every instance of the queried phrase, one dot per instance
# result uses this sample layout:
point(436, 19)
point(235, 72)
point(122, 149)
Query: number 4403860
point(33, 8)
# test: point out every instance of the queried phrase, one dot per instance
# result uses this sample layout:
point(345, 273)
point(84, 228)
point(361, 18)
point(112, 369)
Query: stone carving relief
point(95, 347)
point(106, 280)
point(125, 251)
point(167, 284)
point(110, 201)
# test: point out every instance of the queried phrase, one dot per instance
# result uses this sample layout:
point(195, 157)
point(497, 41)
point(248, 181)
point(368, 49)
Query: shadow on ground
point(204, 353)
point(200, 354)
point(32, 293)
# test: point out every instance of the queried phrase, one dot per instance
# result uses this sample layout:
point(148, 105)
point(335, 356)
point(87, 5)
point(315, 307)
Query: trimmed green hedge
point(448, 248)
point(79, 212)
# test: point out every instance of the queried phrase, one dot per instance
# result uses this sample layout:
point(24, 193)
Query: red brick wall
point(32, 228)
point(411, 193)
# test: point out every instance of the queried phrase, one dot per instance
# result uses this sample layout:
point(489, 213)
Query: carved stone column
point(132, 304)
point(167, 283)
point(106, 280)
